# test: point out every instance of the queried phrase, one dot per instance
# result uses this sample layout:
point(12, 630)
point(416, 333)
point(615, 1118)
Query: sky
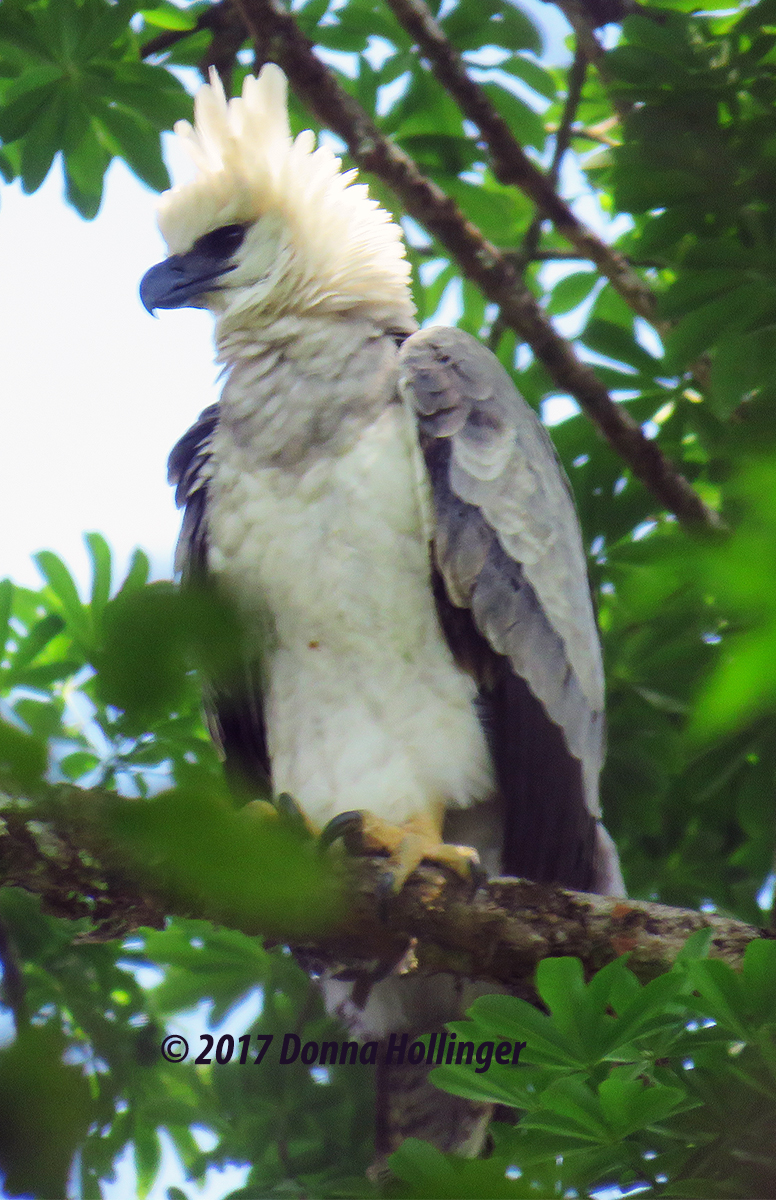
point(94, 391)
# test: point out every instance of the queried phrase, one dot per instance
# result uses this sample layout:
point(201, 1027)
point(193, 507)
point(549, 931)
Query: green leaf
point(515, 1020)
point(137, 575)
point(41, 677)
point(569, 1106)
point(720, 992)
point(168, 16)
point(734, 311)
point(6, 604)
point(99, 553)
point(513, 29)
point(472, 26)
point(560, 983)
point(759, 977)
point(9, 169)
point(613, 341)
point(86, 162)
point(81, 762)
point(499, 212)
point(630, 1106)
point(697, 945)
point(130, 136)
point(526, 125)
point(19, 111)
point(23, 757)
point(649, 1006)
point(41, 142)
point(311, 12)
point(63, 586)
point(43, 717)
point(102, 28)
point(742, 366)
point(693, 288)
point(30, 646)
point(45, 1110)
point(532, 73)
point(642, 31)
point(151, 91)
point(435, 1176)
point(570, 291)
point(148, 1158)
point(243, 867)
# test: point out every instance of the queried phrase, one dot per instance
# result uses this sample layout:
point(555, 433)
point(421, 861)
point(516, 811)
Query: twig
point(280, 40)
point(576, 79)
point(511, 164)
point(228, 34)
point(584, 29)
point(165, 41)
point(592, 133)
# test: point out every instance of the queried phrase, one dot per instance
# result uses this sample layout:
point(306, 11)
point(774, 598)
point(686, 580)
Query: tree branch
point(576, 80)
point(280, 40)
point(57, 847)
point(511, 164)
point(228, 33)
point(512, 924)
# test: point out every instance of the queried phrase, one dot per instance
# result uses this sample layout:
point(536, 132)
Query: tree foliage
point(667, 135)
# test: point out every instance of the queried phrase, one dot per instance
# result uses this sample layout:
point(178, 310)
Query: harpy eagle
point(393, 524)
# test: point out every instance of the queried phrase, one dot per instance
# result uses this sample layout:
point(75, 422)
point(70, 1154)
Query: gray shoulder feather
point(496, 479)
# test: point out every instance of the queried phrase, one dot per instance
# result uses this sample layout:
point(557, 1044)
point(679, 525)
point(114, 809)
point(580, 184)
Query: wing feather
point(233, 709)
point(514, 600)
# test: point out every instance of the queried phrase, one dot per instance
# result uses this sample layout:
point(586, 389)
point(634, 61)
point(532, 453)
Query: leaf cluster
point(72, 83)
point(102, 692)
point(670, 1085)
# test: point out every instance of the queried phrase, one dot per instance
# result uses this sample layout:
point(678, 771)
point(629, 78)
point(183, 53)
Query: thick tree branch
point(280, 40)
point(512, 924)
point(56, 846)
point(511, 164)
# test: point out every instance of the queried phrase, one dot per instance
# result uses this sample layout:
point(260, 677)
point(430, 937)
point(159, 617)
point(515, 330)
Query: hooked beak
point(182, 279)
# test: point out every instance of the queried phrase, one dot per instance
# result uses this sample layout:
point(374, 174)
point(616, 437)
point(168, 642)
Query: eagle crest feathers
point(249, 170)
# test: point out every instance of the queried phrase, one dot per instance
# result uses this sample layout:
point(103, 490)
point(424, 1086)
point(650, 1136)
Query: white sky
point(93, 392)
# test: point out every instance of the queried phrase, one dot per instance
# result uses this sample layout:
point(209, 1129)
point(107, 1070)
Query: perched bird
point(394, 527)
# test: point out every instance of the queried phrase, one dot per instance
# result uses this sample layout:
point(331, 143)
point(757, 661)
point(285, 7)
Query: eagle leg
point(405, 846)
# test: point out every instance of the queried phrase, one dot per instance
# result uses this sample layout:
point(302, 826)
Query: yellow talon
point(406, 846)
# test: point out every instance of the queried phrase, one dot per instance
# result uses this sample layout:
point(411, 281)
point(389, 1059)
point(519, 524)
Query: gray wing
point(514, 600)
point(233, 708)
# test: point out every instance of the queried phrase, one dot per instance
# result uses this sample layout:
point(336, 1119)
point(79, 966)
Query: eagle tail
point(409, 1105)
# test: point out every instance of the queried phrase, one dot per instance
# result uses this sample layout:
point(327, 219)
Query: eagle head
point(270, 225)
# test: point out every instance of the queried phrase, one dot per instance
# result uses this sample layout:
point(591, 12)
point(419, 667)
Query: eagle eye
point(221, 243)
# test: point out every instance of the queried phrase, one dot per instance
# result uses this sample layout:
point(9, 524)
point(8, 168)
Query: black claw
point(479, 876)
point(385, 894)
point(289, 811)
point(346, 825)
